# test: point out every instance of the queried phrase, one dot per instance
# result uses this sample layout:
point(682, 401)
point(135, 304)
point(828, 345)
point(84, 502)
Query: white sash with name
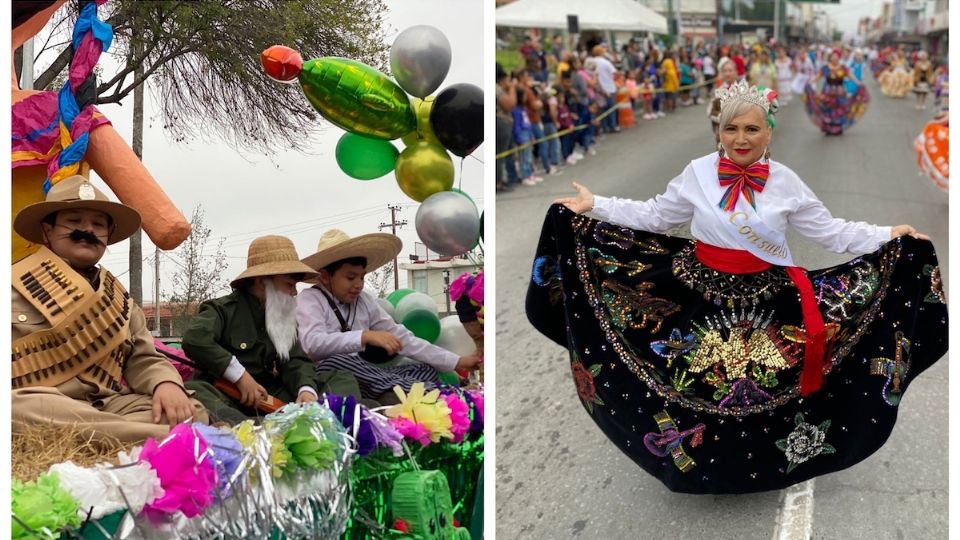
point(743, 223)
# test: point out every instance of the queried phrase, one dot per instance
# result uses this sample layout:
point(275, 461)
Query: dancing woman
point(717, 364)
point(922, 78)
point(785, 76)
point(833, 109)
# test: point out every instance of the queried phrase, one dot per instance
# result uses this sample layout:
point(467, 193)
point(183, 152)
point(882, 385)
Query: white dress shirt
point(321, 336)
point(785, 200)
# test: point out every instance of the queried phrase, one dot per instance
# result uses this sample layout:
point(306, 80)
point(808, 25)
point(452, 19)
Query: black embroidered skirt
point(694, 373)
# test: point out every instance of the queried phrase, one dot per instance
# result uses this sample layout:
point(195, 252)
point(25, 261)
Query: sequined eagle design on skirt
point(694, 373)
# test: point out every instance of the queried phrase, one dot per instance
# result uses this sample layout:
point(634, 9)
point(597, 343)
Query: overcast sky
point(297, 195)
point(847, 13)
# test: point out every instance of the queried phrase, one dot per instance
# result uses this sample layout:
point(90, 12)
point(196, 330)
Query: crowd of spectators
point(601, 91)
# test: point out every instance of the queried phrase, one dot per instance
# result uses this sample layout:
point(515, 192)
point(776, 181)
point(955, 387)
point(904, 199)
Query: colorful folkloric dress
point(832, 109)
point(878, 64)
point(922, 77)
point(784, 79)
point(856, 70)
point(697, 359)
point(933, 151)
point(896, 81)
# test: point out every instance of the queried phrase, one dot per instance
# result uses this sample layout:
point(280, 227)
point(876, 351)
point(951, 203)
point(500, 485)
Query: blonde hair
point(735, 109)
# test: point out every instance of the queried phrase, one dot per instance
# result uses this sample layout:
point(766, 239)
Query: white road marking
point(795, 521)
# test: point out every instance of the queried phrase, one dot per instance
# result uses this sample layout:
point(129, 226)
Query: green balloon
point(357, 97)
point(423, 323)
point(449, 378)
point(364, 158)
point(398, 295)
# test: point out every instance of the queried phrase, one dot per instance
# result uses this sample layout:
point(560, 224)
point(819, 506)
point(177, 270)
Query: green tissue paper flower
point(308, 449)
point(42, 504)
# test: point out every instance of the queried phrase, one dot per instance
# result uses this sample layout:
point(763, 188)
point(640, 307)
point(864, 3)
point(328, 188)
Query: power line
point(313, 225)
point(325, 218)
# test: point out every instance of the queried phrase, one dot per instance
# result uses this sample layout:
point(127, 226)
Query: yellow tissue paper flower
point(244, 432)
point(279, 456)
point(425, 408)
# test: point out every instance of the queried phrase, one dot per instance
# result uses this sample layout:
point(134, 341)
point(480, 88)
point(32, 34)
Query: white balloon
point(386, 305)
point(454, 337)
point(412, 301)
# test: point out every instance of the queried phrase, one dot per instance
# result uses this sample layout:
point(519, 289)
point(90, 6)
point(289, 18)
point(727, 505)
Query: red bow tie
point(739, 180)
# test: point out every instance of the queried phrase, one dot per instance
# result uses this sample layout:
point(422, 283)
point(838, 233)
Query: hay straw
point(36, 447)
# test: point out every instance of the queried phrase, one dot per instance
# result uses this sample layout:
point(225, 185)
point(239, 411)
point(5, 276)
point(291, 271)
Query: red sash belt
point(737, 261)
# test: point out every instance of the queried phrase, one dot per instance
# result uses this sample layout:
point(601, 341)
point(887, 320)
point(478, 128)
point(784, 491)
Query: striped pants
point(375, 380)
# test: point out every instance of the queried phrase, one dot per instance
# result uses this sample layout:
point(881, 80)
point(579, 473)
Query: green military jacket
point(235, 325)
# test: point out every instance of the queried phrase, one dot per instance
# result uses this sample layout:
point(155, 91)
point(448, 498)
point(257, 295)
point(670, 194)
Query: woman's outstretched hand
point(907, 230)
point(580, 204)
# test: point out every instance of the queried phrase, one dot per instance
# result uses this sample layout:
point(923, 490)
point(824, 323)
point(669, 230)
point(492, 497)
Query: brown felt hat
point(336, 245)
point(72, 193)
point(273, 256)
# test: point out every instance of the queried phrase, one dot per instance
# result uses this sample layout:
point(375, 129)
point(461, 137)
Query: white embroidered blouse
point(785, 200)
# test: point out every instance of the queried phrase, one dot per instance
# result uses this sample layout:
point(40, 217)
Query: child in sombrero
point(343, 328)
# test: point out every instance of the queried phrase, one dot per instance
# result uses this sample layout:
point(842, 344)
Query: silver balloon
point(420, 59)
point(448, 223)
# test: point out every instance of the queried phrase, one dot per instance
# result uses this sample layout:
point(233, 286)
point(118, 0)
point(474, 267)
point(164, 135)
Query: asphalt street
point(557, 474)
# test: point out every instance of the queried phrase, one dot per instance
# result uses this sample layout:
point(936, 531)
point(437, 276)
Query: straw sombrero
point(71, 193)
point(273, 256)
point(336, 245)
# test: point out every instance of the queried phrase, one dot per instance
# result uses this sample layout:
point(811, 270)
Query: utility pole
point(156, 290)
point(776, 21)
point(394, 208)
point(446, 288)
point(671, 22)
point(136, 245)
point(719, 22)
point(27, 69)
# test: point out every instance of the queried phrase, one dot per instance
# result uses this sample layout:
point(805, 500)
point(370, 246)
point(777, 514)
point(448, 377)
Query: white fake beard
point(281, 316)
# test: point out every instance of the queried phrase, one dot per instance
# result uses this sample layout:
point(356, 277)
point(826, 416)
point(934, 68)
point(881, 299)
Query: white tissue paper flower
point(106, 488)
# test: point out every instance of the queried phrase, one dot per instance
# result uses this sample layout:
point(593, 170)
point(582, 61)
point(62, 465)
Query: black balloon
point(457, 118)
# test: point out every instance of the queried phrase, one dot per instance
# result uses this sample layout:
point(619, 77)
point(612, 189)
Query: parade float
point(324, 470)
point(306, 471)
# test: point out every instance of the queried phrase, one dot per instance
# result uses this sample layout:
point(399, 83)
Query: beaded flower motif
point(586, 389)
point(806, 441)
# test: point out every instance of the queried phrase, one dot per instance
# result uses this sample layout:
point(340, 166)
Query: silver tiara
point(741, 91)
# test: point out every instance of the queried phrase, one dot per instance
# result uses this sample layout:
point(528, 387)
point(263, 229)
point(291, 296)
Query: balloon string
point(476, 158)
point(420, 136)
point(460, 182)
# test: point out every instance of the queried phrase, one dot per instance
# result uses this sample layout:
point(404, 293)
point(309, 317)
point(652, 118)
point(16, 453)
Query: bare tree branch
point(50, 74)
point(203, 58)
point(118, 96)
point(130, 66)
